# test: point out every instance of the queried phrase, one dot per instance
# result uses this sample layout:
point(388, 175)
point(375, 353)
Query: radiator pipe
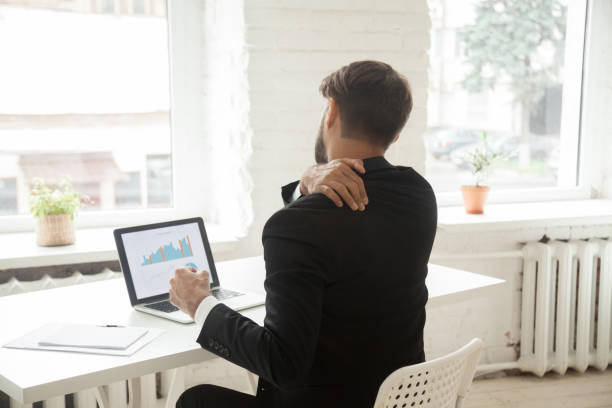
point(491, 368)
point(476, 255)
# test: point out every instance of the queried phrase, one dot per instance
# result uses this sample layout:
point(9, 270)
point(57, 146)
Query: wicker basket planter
point(55, 230)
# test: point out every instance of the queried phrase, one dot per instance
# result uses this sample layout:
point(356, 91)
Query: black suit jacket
point(345, 294)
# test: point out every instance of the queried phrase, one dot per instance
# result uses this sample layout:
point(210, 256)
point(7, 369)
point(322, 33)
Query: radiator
point(566, 310)
point(14, 286)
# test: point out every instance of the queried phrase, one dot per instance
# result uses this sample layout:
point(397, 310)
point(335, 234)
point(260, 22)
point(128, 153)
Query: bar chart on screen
point(169, 252)
point(154, 254)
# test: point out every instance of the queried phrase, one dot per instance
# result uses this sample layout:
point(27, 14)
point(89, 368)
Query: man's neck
point(353, 149)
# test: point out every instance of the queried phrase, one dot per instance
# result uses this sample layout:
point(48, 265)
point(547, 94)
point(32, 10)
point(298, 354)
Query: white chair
point(439, 383)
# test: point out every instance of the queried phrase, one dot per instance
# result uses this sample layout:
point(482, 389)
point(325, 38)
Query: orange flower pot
point(474, 198)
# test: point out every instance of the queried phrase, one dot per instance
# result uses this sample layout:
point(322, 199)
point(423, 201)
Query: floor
point(592, 389)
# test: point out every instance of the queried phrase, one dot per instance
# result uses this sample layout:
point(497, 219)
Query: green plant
point(481, 159)
point(61, 199)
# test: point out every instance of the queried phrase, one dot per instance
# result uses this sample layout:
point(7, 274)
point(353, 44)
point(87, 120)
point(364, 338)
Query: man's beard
point(320, 151)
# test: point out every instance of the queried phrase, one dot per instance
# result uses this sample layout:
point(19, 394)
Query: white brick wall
point(293, 45)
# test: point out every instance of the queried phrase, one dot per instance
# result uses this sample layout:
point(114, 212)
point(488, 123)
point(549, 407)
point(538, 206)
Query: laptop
point(149, 254)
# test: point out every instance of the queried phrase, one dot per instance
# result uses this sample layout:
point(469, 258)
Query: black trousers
point(212, 396)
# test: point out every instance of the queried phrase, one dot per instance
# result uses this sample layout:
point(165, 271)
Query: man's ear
point(395, 138)
point(332, 113)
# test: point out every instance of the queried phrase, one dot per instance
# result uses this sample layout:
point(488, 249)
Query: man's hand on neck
point(338, 181)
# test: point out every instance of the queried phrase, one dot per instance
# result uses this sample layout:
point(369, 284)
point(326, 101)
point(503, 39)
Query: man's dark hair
point(373, 99)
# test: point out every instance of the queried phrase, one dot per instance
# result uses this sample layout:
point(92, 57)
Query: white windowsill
point(91, 245)
point(501, 217)
point(97, 244)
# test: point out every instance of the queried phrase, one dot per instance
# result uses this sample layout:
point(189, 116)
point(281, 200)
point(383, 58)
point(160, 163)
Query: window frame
point(575, 181)
point(186, 55)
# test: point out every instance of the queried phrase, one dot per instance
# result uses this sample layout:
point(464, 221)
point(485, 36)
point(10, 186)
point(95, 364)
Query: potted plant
point(480, 161)
point(55, 208)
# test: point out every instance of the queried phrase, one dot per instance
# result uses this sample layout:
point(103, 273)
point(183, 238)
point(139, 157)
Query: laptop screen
point(153, 255)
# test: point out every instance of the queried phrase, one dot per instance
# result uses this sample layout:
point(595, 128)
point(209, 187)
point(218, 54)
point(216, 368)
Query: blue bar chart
point(169, 252)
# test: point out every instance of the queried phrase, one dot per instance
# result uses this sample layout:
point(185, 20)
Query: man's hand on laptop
point(188, 288)
point(338, 181)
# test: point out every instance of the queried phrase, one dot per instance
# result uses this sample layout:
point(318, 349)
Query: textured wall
point(292, 46)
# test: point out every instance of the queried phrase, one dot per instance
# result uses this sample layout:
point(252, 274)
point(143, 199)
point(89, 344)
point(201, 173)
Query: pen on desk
point(110, 325)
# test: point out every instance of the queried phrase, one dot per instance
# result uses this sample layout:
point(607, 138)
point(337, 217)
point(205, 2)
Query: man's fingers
point(353, 188)
point(180, 271)
point(205, 276)
point(356, 187)
point(345, 194)
point(329, 193)
point(356, 164)
point(172, 297)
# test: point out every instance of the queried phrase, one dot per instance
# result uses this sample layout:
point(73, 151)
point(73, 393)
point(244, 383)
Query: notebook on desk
point(89, 336)
point(33, 340)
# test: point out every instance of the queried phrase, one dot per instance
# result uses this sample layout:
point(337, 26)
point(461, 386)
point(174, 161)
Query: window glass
point(127, 191)
point(107, 6)
point(8, 196)
point(498, 67)
point(85, 98)
point(138, 6)
point(159, 180)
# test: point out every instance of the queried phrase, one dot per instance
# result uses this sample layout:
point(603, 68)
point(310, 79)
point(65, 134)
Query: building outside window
point(159, 180)
point(128, 193)
point(8, 196)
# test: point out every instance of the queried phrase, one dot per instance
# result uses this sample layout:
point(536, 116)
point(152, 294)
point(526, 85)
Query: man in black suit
point(345, 287)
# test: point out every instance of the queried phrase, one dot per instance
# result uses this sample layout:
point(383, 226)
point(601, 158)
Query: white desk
point(29, 376)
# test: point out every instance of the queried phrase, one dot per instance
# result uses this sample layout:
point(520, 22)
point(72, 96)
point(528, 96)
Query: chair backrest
point(439, 383)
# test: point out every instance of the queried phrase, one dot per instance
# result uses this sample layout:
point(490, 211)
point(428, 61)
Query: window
point(124, 110)
point(90, 108)
point(512, 69)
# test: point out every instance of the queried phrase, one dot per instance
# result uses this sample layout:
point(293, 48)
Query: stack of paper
point(78, 338)
point(103, 337)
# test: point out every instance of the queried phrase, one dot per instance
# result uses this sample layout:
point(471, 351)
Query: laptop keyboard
point(222, 294)
point(167, 307)
point(164, 306)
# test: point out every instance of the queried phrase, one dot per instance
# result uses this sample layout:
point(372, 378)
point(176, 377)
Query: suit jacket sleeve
point(287, 192)
point(283, 349)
